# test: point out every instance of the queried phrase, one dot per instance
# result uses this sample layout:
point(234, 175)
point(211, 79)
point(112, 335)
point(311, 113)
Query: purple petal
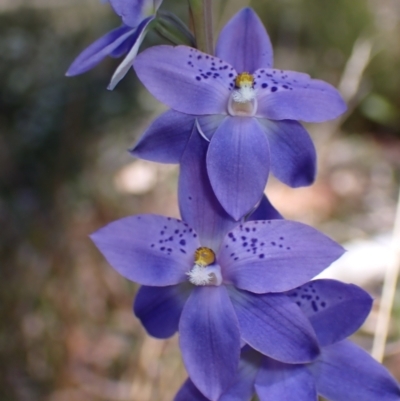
point(265, 211)
point(244, 42)
point(280, 381)
point(131, 11)
point(166, 138)
point(243, 387)
point(289, 95)
point(335, 310)
point(345, 372)
point(275, 255)
point(98, 50)
point(198, 205)
point(124, 47)
point(238, 164)
point(293, 156)
point(189, 392)
point(127, 62)
point(149, 249)
point(210, 340)
point(159, 308)
point(186, 79)
point(274, 326)
point(208, 124)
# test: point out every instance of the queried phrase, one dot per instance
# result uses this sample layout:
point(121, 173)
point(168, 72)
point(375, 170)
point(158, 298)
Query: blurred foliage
point(66, 316)
point(321, 35)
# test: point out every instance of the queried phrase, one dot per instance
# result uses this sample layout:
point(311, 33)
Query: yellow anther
point(204, 257)
point(244, 79)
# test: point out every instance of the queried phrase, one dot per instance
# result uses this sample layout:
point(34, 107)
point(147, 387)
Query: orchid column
point(232, 277)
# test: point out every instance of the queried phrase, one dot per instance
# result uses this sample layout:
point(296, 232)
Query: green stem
point(201, 17)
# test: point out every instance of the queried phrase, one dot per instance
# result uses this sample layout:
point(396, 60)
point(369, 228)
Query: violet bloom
point(244, 107)
point(216, 281)
point(136, 16)
point(343, 371)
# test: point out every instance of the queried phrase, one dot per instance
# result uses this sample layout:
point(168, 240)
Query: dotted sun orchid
point(342, 372)
point(244, 107)
point(136, 18)
point(217, 281)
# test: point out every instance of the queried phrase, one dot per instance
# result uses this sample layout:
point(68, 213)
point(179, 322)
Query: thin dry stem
point(388, 291)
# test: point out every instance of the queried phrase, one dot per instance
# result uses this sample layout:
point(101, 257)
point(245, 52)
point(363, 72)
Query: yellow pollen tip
point(204, 257)
point(244, 79)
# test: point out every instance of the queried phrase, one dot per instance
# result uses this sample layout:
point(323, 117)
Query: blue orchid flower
point(342, 372)
point(245, 109)
point(136, 17)
point(217, 281)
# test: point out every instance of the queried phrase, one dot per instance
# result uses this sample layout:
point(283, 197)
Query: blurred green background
point(67, 330)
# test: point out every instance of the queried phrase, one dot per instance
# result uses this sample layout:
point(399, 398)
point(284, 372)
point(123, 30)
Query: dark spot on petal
point(314, 306)
point(264, 85)
point(182, 242)
point(274, 89)
point(261, 256)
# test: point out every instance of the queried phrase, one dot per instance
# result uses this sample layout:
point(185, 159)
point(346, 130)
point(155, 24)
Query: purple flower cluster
point(232, 277)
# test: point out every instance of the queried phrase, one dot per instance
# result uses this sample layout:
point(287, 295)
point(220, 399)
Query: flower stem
point(201, 17)
point(388, 291)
